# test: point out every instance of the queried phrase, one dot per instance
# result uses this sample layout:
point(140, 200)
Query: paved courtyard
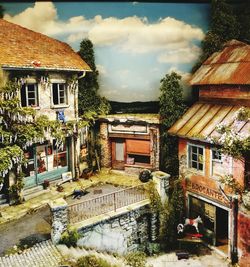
point(170, 260)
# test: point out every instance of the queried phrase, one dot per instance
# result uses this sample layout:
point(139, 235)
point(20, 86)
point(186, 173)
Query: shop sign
point(206, 191)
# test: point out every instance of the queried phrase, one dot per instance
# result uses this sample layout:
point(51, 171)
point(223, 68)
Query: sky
point(135, 43)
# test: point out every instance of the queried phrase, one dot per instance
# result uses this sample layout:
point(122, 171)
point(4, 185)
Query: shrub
point(93, 261)
point(69, 238)
point(136, 259)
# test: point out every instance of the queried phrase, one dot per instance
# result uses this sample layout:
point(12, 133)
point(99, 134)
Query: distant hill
point(134, 107)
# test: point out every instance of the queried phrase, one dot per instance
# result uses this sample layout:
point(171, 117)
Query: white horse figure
point(193, 222)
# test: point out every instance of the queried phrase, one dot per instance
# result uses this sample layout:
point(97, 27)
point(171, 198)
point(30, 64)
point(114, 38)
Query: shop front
point(46, 161)
point(215, 218)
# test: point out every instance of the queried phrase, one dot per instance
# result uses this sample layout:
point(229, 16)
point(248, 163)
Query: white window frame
point(27, 97)
point(189, 145)
point(216, 160)
point(65, 103)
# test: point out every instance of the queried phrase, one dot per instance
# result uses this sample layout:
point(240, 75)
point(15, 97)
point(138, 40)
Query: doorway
point(118, 154)
point(222, 229)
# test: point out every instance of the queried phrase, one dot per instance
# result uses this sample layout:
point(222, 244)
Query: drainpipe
point(81, 76)
point(234, 251)
point(75, 135)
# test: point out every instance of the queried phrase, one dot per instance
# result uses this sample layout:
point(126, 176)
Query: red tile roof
point(229, 66)
point(23, 48)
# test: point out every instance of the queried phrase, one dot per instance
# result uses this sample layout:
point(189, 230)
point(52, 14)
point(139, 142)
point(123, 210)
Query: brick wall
point(244, 237)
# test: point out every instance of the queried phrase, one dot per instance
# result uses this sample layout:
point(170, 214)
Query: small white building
point(49, 71)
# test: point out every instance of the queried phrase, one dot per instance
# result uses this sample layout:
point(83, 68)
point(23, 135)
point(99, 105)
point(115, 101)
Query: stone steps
point(43, 254)
point(3, 199)
point(34, 192)
point(75, 253)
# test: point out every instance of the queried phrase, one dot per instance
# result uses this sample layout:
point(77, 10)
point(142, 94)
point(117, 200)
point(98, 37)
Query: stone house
point(130, 142)
point(48, 71)
point(223, 85)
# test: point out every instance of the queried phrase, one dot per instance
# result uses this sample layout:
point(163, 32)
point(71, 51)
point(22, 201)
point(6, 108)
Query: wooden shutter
point(138, 146)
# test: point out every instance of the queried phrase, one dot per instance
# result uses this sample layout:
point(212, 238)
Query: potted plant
point(45, 184)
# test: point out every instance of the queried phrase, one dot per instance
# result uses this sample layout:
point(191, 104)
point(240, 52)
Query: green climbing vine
point(21, 127)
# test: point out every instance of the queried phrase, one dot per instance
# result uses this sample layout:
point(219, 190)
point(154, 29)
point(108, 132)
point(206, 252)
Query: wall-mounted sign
point(206, 191)
point(126, 128)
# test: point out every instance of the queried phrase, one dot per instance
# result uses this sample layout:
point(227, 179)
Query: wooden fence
point(105, 203)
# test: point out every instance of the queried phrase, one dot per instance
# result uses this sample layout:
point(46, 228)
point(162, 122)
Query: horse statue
point(193, 222)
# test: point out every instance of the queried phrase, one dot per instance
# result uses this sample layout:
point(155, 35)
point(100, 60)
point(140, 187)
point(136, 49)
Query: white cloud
point(102, 70)
point(181, 55)
point(130, 34)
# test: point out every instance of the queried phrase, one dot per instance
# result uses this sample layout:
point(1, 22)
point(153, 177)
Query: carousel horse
point(193, 222)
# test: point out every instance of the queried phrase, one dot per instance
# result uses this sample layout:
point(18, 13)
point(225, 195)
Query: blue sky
point(136, 44)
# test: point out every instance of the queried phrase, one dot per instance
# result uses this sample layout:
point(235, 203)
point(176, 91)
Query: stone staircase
point(33, 192)
point(3, 199)
point(43, 254)
point(75, 253)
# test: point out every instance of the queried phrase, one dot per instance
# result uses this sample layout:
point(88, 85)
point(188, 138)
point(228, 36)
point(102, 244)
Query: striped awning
point(200, 121)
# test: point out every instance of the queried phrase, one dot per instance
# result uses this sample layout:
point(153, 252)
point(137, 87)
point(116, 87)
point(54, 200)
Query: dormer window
point(59, 94)
point(29, 95)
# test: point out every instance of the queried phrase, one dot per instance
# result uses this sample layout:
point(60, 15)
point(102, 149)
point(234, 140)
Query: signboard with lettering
point(207, 192)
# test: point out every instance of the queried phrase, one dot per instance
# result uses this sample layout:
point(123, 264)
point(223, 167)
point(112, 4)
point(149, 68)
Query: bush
point(93, 261)
point(136, 259)
point(69, 238)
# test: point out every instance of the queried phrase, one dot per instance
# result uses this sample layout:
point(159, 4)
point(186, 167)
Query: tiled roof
point(200, 121)
point(23, 48)
point(229, 66)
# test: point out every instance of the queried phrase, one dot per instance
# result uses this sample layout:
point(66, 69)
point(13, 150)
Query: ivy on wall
point(21, 127)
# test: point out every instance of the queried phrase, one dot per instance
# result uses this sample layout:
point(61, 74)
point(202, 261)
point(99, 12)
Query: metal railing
point(109, 202)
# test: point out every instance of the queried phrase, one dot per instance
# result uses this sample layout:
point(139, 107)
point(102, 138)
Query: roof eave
point(4, 67)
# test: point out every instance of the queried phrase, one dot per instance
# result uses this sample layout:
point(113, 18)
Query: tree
point(88, 98)
point(224, 26)
point(1, 12)
point(172, 214)
point(171, 108)
point(242, 12)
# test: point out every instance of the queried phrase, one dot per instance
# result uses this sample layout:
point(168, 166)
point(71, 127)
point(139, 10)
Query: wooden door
point(118, 154)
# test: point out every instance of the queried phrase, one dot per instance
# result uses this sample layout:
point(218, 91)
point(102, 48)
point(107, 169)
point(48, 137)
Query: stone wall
point(59, 219)
point(121, 234)
point(106, 146)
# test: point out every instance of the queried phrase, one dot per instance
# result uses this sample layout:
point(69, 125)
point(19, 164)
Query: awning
point(200, 121)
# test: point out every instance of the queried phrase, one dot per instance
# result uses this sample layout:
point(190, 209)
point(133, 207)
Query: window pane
point(200, 167)
point(62, 100)
point(119, 151)
point(41, 157)
point(194, 157)
point(194, 149)
point(31, 102)
point(140, 158)
point(31, 88)
point(194, 165)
